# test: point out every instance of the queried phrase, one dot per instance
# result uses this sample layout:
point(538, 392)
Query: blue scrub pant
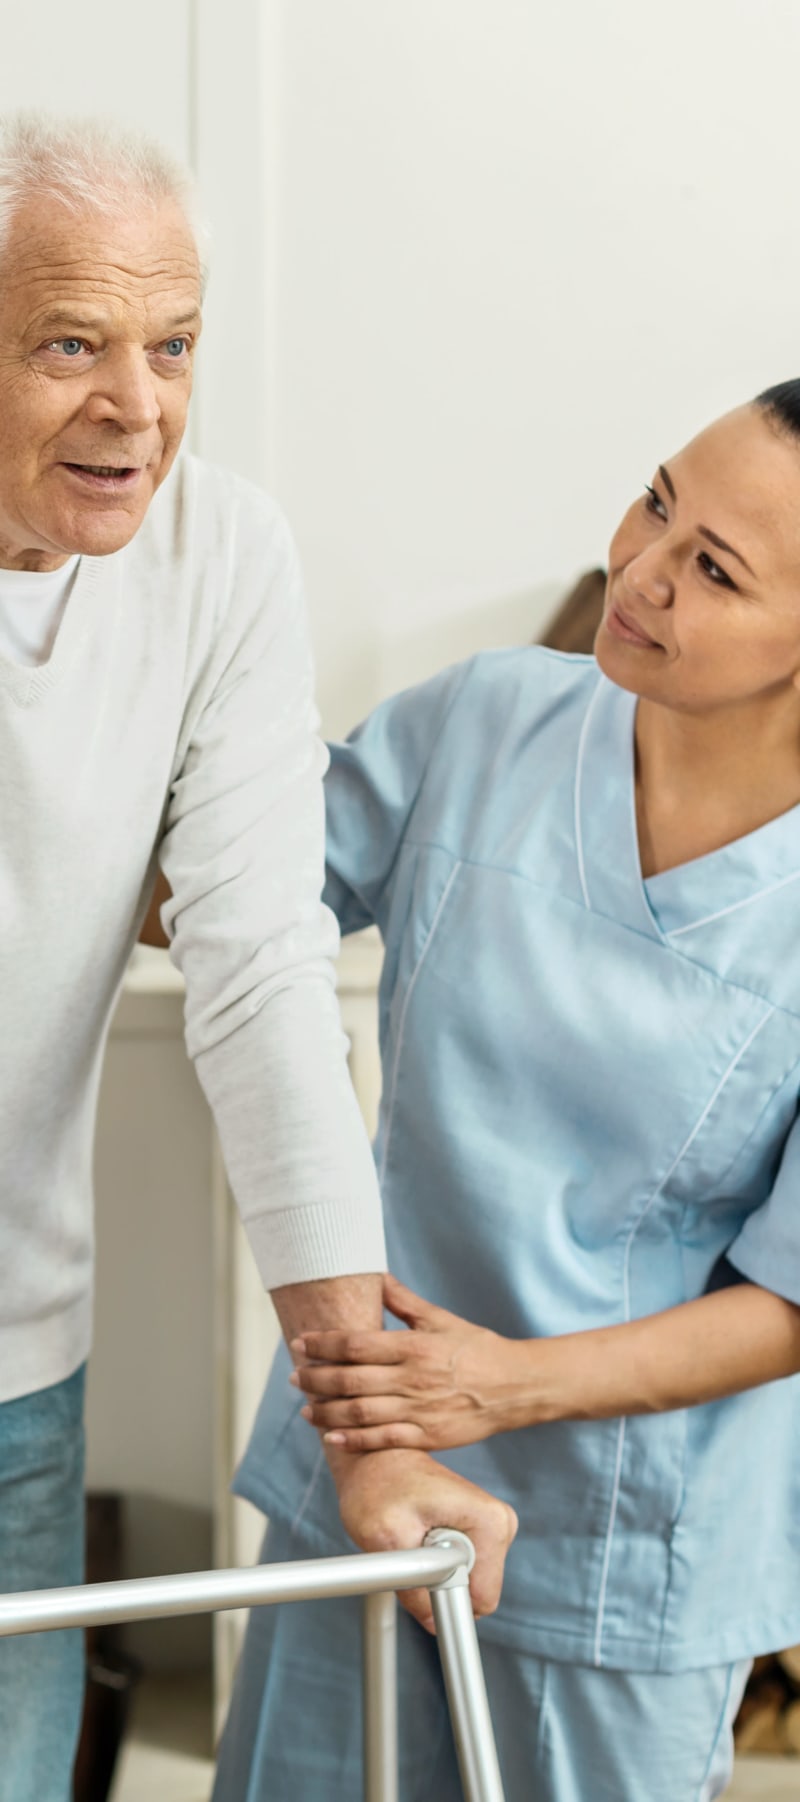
point(41, 1546)
point(565, 1733)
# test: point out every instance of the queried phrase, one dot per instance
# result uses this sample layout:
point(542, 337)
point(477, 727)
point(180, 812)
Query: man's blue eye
point(70, 346)
point(175, 347)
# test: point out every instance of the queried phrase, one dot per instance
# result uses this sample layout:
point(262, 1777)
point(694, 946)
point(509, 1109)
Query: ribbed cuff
point(325, 1239)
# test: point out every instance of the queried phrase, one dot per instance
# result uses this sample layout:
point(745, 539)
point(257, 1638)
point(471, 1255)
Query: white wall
point(86, 60)
point(478, 264)
point(518, 252)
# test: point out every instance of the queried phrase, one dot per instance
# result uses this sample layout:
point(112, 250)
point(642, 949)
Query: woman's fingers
point(367, 1411)
point(398, 1435)
point(348, 1348)
point(376, 1348)
point(345, 1380)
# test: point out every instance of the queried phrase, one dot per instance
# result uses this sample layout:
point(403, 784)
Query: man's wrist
point(344, 1465)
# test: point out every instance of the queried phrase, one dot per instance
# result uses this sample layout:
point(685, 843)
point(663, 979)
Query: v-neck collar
point(690, 895)
point(27, 683)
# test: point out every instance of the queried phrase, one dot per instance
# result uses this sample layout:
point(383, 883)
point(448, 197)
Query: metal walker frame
point(441, 1565)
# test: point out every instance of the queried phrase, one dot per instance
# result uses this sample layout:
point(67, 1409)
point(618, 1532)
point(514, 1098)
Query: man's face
point(99, 318)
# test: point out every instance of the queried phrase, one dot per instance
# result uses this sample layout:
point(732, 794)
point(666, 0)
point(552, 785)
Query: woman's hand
point(448, 1383)
point(444, 1383)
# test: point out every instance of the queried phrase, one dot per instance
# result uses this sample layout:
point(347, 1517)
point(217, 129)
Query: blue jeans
point(565, 1733)
point(41, 1547)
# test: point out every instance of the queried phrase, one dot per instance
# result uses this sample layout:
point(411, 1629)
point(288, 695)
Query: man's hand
point(390, 1500)
point(444, 1383)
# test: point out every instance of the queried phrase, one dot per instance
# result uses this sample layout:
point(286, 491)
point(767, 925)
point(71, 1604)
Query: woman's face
point(702, 607)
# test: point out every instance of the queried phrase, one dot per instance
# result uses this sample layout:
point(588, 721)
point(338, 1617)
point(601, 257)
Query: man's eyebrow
point(191, 318)
point(705, 531)
point(61, 319)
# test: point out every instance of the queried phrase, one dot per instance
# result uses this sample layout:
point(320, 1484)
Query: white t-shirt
point(31, 610)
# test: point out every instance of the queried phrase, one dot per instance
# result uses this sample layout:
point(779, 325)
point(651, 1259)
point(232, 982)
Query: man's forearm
point(342, 1301)
point(353, 1303)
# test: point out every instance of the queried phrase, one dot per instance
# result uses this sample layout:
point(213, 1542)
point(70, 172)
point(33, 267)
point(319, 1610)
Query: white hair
point(89, 165)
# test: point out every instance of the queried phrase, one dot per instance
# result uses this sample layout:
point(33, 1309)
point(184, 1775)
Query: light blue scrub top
point(590, 1096)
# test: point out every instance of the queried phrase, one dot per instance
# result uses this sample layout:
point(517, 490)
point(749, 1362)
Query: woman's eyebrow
point(705, 531)
point(722, 546)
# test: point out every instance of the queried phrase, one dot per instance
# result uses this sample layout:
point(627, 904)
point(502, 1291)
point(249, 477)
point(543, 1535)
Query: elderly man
point(155, 708)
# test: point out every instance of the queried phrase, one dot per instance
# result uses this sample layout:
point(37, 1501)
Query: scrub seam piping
point(659, 1189)
point(578, 783)
point(748, 901)
point(402, 1026)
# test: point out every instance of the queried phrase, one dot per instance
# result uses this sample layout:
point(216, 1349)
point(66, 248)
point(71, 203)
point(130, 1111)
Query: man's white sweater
point(174, 721)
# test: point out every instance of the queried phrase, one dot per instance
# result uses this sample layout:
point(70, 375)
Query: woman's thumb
point(407, 1306)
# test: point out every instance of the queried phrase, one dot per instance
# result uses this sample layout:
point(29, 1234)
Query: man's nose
point(125, 392)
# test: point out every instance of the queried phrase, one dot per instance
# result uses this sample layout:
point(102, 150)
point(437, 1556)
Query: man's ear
point(152, 932)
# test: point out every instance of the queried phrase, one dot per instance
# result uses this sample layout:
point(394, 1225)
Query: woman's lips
point(620, 625)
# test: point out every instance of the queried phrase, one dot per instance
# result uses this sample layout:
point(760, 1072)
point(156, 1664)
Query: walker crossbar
point(441, 1565)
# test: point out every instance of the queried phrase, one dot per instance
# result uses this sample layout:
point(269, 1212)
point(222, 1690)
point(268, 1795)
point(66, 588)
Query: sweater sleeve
point(243, 851)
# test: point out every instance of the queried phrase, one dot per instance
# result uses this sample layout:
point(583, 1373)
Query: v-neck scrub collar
point(675, 901)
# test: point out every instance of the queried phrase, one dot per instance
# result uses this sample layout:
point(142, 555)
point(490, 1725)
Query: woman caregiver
point(587, 877)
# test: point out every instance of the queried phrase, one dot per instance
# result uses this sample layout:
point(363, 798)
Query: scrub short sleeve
point(767, 1250)
point(371, 790)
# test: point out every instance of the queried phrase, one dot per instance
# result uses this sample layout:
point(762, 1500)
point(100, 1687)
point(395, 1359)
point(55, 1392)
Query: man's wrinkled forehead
point(56, 261)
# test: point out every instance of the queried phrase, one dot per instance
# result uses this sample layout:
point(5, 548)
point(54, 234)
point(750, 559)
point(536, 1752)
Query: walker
point(441, 1565)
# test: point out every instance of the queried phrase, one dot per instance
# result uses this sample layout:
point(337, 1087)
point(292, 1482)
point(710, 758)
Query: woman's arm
point(447, 1382)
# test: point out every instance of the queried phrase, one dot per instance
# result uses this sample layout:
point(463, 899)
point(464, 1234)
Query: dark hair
point(782, 403)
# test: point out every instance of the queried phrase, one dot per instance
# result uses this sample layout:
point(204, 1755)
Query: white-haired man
point(155, 707)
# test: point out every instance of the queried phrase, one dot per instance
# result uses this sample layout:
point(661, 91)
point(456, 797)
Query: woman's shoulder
point(525, 683)
point(535, 663)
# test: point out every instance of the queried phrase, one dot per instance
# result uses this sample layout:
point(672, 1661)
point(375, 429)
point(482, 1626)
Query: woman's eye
point(713, 571)
point(653, 503)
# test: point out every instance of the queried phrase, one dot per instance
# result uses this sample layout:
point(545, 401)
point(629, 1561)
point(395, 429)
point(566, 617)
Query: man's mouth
point(106, 475)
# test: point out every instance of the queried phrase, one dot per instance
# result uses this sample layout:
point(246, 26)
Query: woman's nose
point(646, 577)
